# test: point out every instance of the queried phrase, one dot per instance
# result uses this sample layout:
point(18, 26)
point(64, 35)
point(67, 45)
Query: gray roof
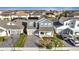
point(3, 23)
point(1, 30)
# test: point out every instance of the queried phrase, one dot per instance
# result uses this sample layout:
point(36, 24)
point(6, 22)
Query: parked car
point(75, 42)
point(65, 37)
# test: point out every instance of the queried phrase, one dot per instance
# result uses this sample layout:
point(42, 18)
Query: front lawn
point(57, 41)
point(50, 42)
point(21, 41)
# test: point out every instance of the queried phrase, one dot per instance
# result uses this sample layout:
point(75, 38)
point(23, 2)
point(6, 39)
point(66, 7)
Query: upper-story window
point(67, 23)
point(78, 25)
point(45, 24)
point(49, 24)
point(71, 23)
point(41, 24)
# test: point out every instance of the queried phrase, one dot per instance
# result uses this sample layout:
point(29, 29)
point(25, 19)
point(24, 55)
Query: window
point(34, 24)
point(45, 24)
point(42, 32)
point(78, 25)
point(49, 24)
point(41, 24)
point(67, 23)
point(48, 33)
point(71, 23)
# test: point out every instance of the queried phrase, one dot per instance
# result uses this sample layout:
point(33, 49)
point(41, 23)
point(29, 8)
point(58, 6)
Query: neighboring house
point(50, 14)
point(9, 14)
point(41, 27)
point(5, 15)
point(72, 24)
point(36, 14)
point(53, 13)
point(75, 13)
point(20, 14)
point(31, 25)
point(10, 28)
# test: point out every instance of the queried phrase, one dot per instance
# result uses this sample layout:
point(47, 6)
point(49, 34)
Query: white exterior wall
point(76, 16)
point(14, 31)
point(13, 16)
point(3, 17)
point(75, 29)
point(67, 24)
point(76, 25)
point(50, 34)
point(35, 16)
point(51, 15)
point(30, 31)
point(3, 33)
point(59, 29)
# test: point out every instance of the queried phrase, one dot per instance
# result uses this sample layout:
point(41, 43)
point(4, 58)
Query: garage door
point(30, 31)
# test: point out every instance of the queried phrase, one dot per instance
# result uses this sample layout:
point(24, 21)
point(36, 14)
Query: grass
point(3, 38)
point(57, 41)
point(21, 41)
point(50, 42)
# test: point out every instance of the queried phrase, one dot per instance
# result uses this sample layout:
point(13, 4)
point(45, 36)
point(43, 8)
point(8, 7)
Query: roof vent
point(10, 23)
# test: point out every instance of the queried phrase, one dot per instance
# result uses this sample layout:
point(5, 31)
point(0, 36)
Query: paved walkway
point(32, 41)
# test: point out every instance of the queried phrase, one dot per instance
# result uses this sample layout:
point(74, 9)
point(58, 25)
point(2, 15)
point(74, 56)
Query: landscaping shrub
point(2, 39)
point(49, 46)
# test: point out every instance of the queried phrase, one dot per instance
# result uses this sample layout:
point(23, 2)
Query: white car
point(76, 42)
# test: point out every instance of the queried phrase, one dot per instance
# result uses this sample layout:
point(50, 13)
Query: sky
point(39, 8)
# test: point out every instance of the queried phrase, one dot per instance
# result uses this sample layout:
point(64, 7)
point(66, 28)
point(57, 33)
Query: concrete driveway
point(10, 42)
point(31, 41)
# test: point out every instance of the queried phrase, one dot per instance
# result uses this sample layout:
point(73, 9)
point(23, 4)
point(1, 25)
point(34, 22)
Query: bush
point(2, 39)
point(49, 46)
point(42, 43)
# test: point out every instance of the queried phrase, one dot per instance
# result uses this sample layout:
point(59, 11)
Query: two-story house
point(69, 23)
point(10, 28)
point(41, 27)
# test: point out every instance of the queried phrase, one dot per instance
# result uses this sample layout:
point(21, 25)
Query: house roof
point(68, 18)
point(1, 30)
point(75, 13)
point(44, 19)
point(46, 29)
point(5, 24)
point(57, 24)
point(39, 12)
point(6, 13)
point(21, 13)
